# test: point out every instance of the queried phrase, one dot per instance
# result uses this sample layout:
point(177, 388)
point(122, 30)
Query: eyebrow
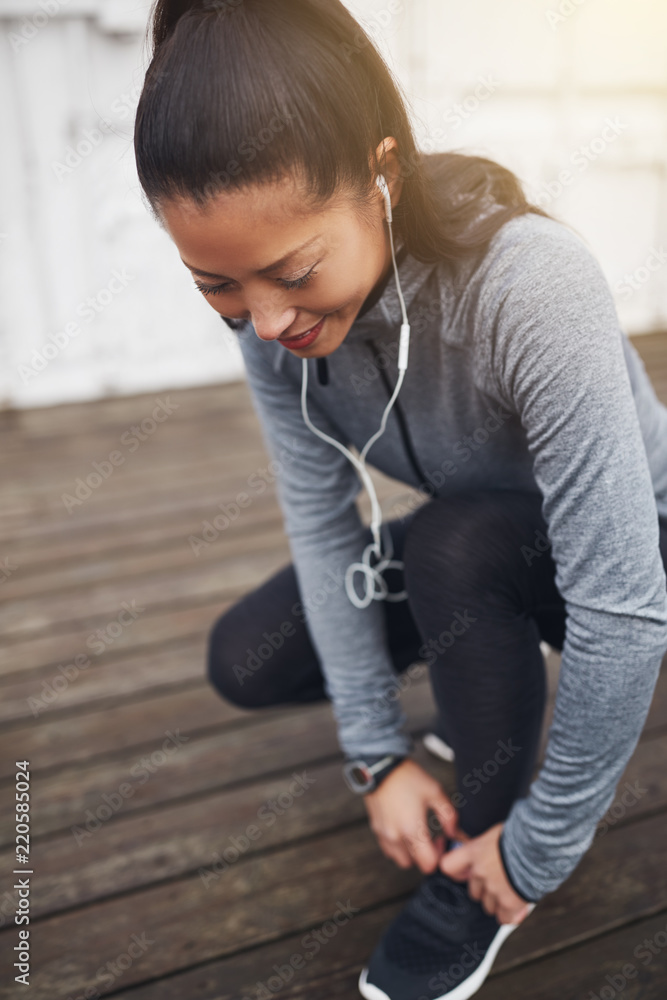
point(264, 270)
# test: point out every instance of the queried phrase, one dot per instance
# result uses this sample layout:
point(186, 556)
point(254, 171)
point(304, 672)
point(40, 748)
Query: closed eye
point(227, 285)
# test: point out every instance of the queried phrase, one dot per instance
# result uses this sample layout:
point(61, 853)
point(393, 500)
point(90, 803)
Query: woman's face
point(257, 254)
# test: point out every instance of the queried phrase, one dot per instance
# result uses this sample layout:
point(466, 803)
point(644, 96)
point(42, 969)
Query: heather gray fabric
point(519, 377)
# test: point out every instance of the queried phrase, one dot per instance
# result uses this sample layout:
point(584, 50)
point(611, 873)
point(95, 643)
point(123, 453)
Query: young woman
point(274, 147)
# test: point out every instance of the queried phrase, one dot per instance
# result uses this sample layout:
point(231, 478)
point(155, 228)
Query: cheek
point(346, 291)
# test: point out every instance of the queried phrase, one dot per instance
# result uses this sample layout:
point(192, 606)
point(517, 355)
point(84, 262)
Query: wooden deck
point(133, 905)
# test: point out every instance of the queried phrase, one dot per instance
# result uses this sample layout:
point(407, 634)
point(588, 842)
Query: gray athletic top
point(519, 377)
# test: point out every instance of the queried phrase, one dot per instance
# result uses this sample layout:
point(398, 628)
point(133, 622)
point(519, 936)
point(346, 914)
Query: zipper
point(402, 423)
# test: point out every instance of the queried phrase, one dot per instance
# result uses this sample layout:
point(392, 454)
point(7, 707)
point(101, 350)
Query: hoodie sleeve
point(547, 323)
point(317, 487)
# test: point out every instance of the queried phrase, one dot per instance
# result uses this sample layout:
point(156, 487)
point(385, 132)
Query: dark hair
point(240, 92)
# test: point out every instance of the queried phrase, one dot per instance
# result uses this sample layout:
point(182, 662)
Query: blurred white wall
point(94, 301)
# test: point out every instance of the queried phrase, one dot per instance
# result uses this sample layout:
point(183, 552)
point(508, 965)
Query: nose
point(271, 319)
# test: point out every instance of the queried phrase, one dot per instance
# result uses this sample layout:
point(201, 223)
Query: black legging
point(482, 554)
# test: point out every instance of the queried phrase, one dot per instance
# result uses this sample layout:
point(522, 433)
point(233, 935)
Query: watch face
point(358, 776)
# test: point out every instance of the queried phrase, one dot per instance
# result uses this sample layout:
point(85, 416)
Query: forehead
point(249, 228)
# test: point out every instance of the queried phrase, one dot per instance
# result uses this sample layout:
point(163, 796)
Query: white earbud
point(382, 184)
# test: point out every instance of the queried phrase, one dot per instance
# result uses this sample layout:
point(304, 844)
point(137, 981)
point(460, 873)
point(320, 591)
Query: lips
point(298, 336)
point(304, 339)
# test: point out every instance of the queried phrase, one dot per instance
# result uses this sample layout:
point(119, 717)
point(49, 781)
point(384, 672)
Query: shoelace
point(445, 908)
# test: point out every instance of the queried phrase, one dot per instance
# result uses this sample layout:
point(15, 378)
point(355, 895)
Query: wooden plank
point(227, 566)
point(121, 490)
point(623, 878)
point(332, 971)
point(590, 970)
point(106, 683)
point(204, 401)
point(50, 744)
point(179, 495)
point(258, 900)
point(46, 742)
point(140, 849)
point(199, 764)
point(65, 542)
point(146, 597)
point(149, 633)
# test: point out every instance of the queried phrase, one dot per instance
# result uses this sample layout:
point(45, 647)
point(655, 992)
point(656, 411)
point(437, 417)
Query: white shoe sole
point(464, 989)
point(438, 747)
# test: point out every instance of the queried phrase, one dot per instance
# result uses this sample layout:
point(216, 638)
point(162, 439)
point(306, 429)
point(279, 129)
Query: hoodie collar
point(385, 314)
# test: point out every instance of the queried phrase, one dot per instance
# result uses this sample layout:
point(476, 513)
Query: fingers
point(447, 816)
point(456, 863)
point(396, 851)
point(423, 850)
point(411, 848)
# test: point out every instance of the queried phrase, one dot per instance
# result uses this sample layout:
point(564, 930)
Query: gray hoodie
point(519, 377)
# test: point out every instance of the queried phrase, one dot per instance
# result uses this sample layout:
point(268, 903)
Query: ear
point(389, 162)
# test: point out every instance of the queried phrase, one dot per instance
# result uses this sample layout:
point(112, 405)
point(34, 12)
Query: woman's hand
point(479, 863)
point(397, 812)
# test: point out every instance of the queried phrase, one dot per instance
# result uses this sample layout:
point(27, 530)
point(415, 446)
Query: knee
point(226, 667)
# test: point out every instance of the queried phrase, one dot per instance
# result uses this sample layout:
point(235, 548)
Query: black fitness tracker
point(363, 776)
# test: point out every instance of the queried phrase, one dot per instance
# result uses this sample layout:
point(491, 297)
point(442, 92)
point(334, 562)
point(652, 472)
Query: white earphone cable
point(375, 585)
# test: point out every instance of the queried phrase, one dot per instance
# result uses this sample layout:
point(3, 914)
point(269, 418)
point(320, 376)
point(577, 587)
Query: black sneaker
point(441, 946)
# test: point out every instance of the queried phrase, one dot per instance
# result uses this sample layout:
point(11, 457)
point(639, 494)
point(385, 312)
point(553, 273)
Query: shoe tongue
point(444, 906)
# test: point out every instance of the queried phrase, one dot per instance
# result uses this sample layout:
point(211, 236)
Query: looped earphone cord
point(373, 576)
